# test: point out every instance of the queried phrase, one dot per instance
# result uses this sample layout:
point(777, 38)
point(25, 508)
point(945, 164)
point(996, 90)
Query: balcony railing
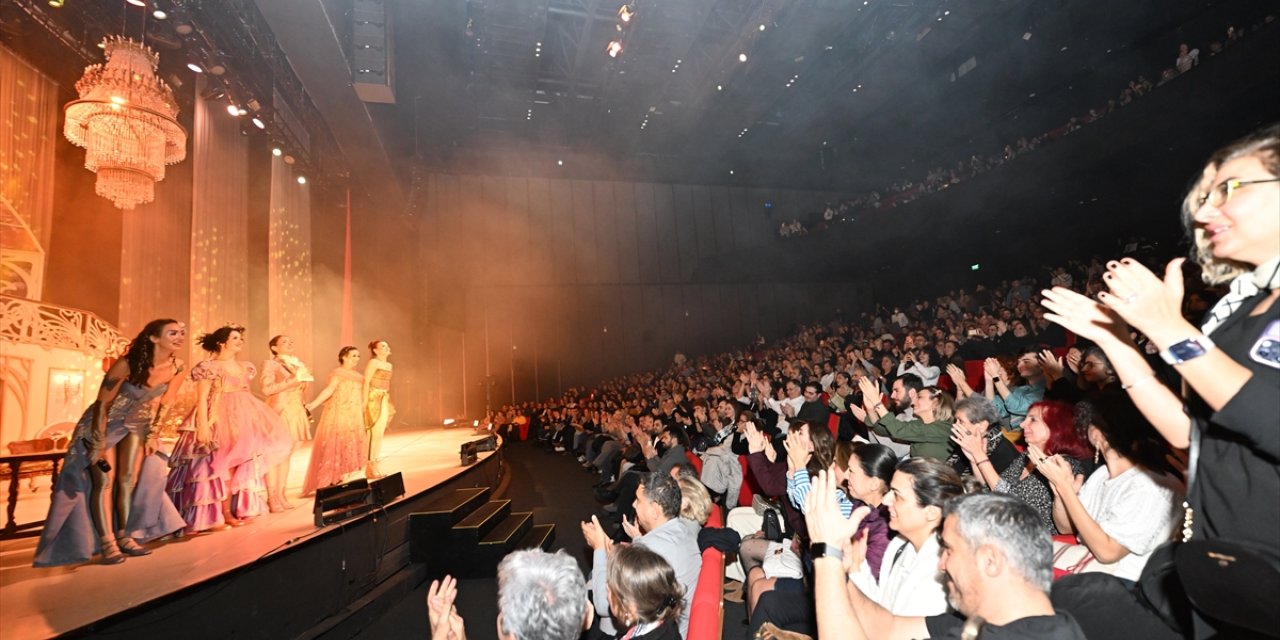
point(34, 322)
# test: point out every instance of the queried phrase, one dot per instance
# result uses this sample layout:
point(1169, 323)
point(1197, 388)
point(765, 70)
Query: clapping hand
point(972, 443)
point(799, 450)
point(595, 536)
point(631, 528)
point(1083, 316)
point(446, 624)
point(1056, 470)
point(1050, 364)
point(1143, 299)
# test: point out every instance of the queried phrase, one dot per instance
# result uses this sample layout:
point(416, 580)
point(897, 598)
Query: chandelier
point(125, 120)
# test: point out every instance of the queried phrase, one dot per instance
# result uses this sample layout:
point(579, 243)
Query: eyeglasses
point(1220, 194)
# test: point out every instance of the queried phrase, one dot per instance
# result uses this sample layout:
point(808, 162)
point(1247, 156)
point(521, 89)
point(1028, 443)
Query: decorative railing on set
point(34, 322)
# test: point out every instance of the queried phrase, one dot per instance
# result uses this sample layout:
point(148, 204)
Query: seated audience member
point(1048, 431)
point(1127, 507)
point(995, 561)
point(695, 500)
point(928, 433)
point(643, 592)
point(863, 472)
point(541, 596)
point(658, 527)
point(979, 437)
point(917, 361)
point(672, 441)
point(814, 410)
point(1095, 376)
point(902, 397)
point(905, 581)
point(1013, 386)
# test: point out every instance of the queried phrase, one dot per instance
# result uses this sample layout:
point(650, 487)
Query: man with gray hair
point(996, 562)
point(541, 596)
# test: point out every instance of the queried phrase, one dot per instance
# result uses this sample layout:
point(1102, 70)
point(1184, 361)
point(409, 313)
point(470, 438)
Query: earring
point(1097, 453)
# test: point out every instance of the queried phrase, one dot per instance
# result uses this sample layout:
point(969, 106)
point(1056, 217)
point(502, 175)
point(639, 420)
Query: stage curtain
point(289, 261)
point(219, 219)
point(28, 134)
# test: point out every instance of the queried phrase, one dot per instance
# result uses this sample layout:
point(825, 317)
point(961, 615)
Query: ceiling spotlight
point(614, 49)
point(302, 179)
point(719, 87)
point(56, 4)
point(626, 13)
point(233, 110)
point(159, 15)
point(217, 69)
point(288, 159)
point(241, 111)
point(257, 122)
point(559, 163)
point(183, 29)
point(195, 67)
point(762, 27)
point(742, 57)
point(137, 3)
point(731, 172)
point(277, 152)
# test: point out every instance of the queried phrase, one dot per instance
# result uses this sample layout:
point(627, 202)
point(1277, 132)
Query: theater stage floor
point(37, 603)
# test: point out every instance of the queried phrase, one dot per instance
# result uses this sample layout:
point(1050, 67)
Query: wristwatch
point(1188, 349)
point(824, 550)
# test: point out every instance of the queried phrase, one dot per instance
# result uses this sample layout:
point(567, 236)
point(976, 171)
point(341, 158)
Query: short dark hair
point(662, 489)
point(911, 381)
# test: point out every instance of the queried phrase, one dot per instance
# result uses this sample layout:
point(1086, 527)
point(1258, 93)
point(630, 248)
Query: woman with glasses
point(1230, 362)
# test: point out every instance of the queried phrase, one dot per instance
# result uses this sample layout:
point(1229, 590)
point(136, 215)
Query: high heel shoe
point(130, 547)
point(110, 552)
point(230, 520)
point(371, 470)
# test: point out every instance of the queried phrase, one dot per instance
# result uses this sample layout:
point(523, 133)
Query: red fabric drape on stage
point(347, 329)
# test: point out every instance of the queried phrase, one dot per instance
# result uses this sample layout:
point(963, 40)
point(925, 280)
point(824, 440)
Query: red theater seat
point(695, 461)
point(706, 611)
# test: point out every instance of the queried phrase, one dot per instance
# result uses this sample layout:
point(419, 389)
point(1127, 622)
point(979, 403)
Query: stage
point(288, 577)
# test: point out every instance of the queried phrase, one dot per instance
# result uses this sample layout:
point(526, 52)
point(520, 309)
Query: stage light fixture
point(257, 122)
point(184, 29)
point(217, 69)
point(762, 27)
point(277, 152)
point(302, 179)
point(614, 48)
point(159, 15)
point(233, 110)
point(626, 13)
point(56, 4)
point(195, 67)
point(137, 3)
point(289, 160)
point(559, 163)
point(742, 57)
point(448, 421)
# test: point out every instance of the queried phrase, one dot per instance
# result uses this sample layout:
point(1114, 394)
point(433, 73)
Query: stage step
point(472, 529)
point(429, 529)
point(466, 534)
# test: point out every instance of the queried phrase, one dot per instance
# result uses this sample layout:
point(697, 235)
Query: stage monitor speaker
point(386, 490)
point(488, 444)
point(467, 453)
point(339, 502)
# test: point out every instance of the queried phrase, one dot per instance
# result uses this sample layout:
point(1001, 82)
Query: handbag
point(1076, 558)
point(1235, 582)
point(772, 527)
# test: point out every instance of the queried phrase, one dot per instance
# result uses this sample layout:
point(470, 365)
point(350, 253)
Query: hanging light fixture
point(126, 121)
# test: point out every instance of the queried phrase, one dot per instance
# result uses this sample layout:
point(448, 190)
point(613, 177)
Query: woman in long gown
point(284, 381)
point(378, 407)
point(121, 421)
point(230, 439)
point(340, 445)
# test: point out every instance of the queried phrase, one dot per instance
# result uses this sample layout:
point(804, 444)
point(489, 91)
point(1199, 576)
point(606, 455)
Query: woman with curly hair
point(130, 401)
point(230, 444)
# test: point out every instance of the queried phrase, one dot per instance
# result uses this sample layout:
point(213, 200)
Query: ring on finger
point(1131, 298)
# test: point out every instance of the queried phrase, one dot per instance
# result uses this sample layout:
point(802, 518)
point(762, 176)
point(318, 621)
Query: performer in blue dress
point(130, 401)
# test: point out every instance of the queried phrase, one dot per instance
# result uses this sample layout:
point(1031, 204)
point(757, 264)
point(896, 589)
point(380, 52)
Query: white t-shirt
point(1137, 509)
point(910, 584)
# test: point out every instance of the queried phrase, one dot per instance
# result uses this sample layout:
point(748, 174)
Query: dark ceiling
point(839, 94)
point(847, 95)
